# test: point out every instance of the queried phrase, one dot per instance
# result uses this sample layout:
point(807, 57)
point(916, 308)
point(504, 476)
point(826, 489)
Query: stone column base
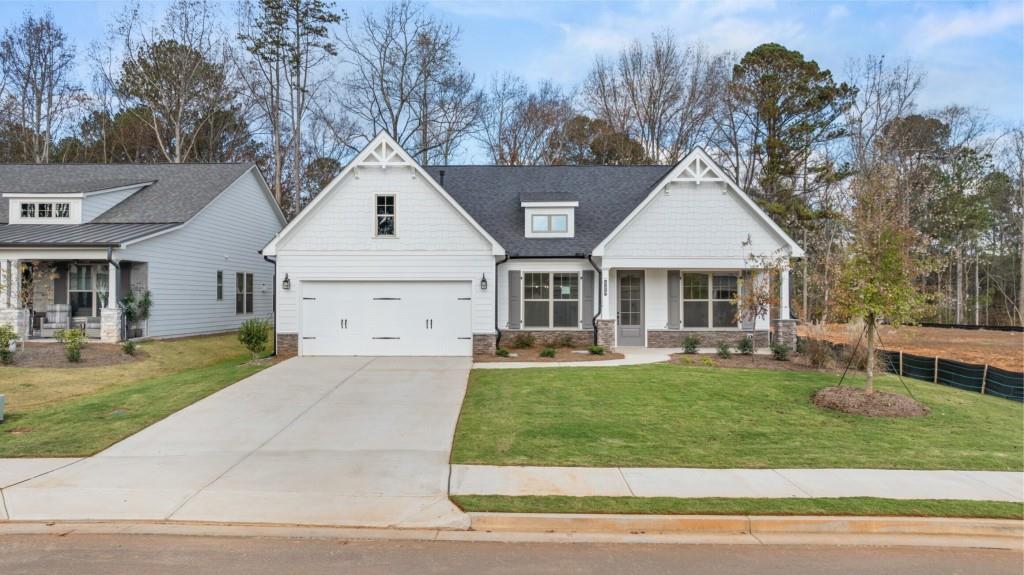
point(606, 333)
point(484, 343)
point(784, 332)
point(287, 344)
point(110, 325)
point(16, 318)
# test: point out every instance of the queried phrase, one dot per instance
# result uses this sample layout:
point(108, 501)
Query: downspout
point(600, 292)
point(497, 330)
point(273, 287)
point(123, 328)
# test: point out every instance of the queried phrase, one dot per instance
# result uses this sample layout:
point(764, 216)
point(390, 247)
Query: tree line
point(298, 86)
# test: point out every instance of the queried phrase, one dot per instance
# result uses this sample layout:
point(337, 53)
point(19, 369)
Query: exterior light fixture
point(286, 284)
point(483, 282)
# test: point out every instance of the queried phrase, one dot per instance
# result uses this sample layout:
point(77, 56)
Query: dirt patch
point(1003, 349)
point(561, 354)
point(796, 362)
point(878, 404)
point(51, 356)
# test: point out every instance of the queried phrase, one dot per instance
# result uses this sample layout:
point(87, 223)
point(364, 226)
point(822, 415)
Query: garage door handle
point(387, 338)
point(344, 324)
point(308, 337)
point(465, 338)
point(430, 324)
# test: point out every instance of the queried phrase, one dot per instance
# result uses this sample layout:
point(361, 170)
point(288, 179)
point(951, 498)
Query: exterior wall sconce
point(286, 284)
point(483, 282)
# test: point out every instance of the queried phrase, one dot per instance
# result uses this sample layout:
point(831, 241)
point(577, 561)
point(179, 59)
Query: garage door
point(386, 318)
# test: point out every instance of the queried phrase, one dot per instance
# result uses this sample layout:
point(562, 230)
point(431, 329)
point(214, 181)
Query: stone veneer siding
point(484, 343)
point(708, 338)
point(110, 325)
point(580, 337)
point(785, 332)
point(287, 344)
point(606, 333)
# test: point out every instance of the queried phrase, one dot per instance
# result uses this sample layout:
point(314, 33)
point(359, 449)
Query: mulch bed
point(561, 354)
point(51, 356)
point(796, 362)
point(878, 404)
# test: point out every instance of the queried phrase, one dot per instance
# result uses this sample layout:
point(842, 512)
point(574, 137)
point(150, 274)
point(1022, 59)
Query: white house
point(75, 239)
point(395, 259)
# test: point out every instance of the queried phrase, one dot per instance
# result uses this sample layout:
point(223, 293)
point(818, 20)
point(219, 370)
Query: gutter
point(497, 330)
point(273, 288)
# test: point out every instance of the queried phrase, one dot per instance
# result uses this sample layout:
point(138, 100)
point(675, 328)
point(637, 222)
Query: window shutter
point(673, 300)
point(746, 284)
point(60, 285)
point(587, 298)
point(515, 298)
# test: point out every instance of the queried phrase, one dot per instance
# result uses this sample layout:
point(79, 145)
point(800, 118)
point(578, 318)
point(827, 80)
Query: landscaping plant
point(596, 350)
point(746, 345)
point(708, 362)
point(724, 350)
point(816, 347)
point(780, 351)
point(523, 340)
point(690, 344)
point(7, 337)
point(254, 334)
point(73, 340)
point(547, 352)
point(501, 352)
point(128, 347)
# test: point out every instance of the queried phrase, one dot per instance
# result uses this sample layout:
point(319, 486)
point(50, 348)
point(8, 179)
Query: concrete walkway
point(633, 356)
point(766, 483)
point(319, 441)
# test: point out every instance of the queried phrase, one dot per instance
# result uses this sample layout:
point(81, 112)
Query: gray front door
point(631, 308)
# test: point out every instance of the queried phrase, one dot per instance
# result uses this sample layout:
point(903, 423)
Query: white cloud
point(938, 28)
point(837, 12)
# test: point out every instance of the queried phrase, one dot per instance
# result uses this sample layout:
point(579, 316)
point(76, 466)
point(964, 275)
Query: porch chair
point(58, 317)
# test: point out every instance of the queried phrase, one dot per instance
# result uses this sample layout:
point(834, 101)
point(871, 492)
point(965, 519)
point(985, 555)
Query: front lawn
point(741, 506)
point(665, 415)
point(71, 412)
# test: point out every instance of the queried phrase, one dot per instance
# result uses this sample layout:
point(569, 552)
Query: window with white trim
point(28, 210)
point(385, 216)
point(709, 300)
point(551, 300)
point(549, 223)
point(45, 210)
point(62, 210)
point(243, 293)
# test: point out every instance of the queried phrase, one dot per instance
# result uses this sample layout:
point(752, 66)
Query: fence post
point(984, 379)
point(901, 362)
point(935, 371)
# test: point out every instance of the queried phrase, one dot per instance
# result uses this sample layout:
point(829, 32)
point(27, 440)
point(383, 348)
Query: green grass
point(83, 425)
point(665, 415)
point(730, 506)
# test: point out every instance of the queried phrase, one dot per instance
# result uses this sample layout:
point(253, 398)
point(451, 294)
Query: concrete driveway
point(319, 441)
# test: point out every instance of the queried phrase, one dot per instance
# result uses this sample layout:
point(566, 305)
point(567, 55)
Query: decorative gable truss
point(383, 153)
point(698, 167)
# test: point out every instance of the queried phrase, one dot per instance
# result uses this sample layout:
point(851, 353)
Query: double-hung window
point(243, 293)
point(551, 300)
point(709, 300)
point(385, 216)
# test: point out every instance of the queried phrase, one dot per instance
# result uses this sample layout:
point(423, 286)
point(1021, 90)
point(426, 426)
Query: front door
point(631, 308)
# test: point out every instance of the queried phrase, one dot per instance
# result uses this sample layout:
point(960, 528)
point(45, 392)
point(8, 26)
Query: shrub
point(746, 345)
point(547, 352)
point(501, 352)
point(596, 350)
point(686, 360)
point(73, 340)
point(707, 361)
point(564, 340)
point(7, 337)
point(523, 340)
point(724, 350)
point(690, 344)
point(780, 351)
point(128, 347)
point(817, 348)
point(254, 334)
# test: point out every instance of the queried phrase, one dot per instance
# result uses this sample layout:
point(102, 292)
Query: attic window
point(549, 215)
point(385, 216)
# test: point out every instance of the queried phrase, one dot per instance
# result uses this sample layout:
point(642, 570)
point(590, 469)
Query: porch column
point(113, 275)
point(785, 328)
point(11, 310)
point(110, 315)
point(784, 293)
point(606, 323)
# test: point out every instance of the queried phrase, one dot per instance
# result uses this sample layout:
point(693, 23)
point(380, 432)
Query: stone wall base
point(580, 337)
point(709, 338)
point(606, 333)
point(484, 343)
point(785, 332)
point(287, 344)
point(16, 318)
point(110, 325)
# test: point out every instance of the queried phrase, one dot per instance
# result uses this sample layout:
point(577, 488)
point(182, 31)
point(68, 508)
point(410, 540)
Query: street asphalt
point(86, 554)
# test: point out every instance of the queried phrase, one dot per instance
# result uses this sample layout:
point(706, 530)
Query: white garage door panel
point(386, 318)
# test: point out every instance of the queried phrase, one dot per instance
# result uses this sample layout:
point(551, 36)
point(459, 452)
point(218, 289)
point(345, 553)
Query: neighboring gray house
point(394, 259)
point(189, 234)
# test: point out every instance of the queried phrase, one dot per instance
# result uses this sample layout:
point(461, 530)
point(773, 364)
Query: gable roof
point(492, 195)
point(178, 191)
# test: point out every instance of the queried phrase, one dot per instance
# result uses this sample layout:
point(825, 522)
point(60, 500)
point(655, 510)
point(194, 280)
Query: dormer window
point(28, 210)
point(45, 210)
point(549, 223)
point(62, 210)
point(549, 215)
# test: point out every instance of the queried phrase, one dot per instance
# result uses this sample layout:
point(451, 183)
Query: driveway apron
point(317, 441)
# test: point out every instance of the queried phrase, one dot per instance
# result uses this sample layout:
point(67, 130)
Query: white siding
point(539, 265)
point(183, 264)
point(694, 221)
point(96, 204)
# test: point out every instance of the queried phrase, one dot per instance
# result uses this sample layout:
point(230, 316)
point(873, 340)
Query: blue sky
point(972, 52)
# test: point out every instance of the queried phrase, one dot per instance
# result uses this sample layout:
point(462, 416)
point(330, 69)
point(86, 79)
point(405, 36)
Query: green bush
point(73, 340)
point(780, 351)
point(7, 337)
point(690, 344)
point(523, 340)
point(596, 350)
point(547, 352)
point(254, 334)
point(746, 345)
point(564, 340)
point(128, 347)
point(707, 361)
point(501, 352)
point(724, 350)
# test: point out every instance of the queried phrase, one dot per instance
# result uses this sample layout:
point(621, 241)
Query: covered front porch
point(46, 291)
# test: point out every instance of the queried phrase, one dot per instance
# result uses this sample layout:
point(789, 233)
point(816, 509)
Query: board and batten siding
point(182, 265)
point(336, 241)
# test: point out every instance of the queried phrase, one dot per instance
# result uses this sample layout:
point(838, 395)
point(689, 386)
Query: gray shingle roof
point(491, 195)
point(179, 191)
point(77, 235)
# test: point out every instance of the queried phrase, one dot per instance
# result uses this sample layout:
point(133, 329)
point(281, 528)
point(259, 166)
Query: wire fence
point(1018, 328)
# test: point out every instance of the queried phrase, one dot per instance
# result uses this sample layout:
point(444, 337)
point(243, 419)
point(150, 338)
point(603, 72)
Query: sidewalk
point(634, 356)
point(763, 483)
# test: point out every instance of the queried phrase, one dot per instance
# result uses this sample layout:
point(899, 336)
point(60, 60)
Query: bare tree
point(884, 94)
point(37, 63)
point(518, 124)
